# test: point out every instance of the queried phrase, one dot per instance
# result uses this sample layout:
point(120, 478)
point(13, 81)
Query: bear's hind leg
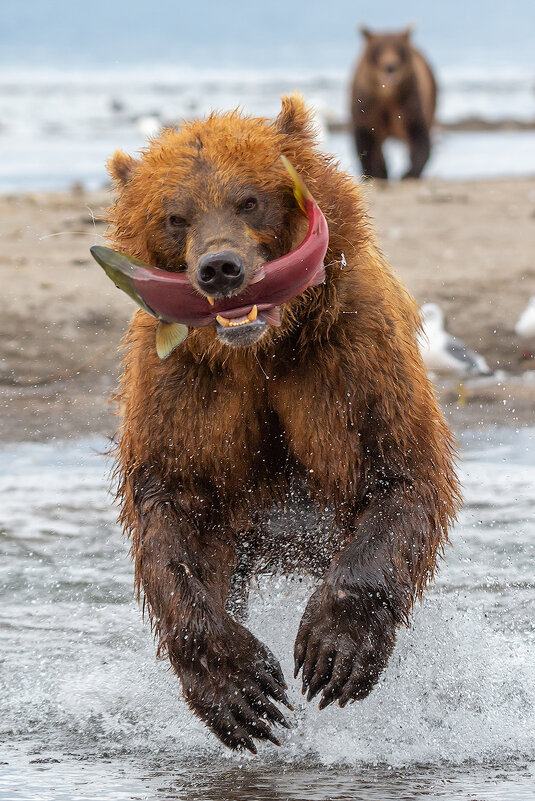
point(419, 148)
point(237, 603)
point(370, 154)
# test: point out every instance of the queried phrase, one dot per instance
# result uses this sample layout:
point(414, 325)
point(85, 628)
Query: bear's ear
point(295, 119)
point(407, 33)
point(121, 166)
point(366, 33)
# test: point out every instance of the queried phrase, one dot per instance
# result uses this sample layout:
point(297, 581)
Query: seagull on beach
point(441, 352)
point(525, 325)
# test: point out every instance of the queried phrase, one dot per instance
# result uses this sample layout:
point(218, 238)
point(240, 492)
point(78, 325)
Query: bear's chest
point(230, 433)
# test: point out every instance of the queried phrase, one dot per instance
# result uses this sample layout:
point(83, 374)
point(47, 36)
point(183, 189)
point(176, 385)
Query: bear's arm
point(379, 451)
point(183, 539)
point(183, 566)
point(348, 630)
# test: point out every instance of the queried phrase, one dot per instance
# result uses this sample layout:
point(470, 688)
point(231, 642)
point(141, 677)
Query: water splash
point(79, 675)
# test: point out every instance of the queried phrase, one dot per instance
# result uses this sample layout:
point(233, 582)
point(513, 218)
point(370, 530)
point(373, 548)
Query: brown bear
point(331, 410)
point(393, 94)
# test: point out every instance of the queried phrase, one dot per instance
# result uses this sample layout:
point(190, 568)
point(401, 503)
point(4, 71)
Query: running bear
point(393, 94)
point(326, 408)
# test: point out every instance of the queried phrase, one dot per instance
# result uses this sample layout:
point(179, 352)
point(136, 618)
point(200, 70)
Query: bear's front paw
point(229, 684)
point(343, 645)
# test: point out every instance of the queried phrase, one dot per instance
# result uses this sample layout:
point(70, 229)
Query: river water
point(86, 711)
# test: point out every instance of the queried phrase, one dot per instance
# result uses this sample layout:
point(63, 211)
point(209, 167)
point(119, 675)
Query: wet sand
point(469, 246)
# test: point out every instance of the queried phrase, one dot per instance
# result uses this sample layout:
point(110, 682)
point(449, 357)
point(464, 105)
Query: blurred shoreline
point(467, 245)
point(477, 124)
point(58, 127)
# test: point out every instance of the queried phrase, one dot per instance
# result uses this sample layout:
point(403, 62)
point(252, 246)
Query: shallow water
point(86, 711)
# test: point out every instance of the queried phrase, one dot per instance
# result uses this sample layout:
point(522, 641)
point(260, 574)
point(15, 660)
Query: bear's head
point(388, 56)
point(214, 200)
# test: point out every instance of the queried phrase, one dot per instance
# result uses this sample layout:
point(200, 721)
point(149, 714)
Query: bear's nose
point(391, 68)
point(220, 273)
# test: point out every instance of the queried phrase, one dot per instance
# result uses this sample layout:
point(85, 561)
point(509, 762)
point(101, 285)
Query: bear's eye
point(177, 222)
point(249, 204)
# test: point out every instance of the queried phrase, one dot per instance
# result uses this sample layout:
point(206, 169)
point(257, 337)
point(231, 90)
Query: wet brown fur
point(335, 405)
point(400, 105)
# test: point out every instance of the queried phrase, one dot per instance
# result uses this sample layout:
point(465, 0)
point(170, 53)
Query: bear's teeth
point(250, 318)
point(210, 300)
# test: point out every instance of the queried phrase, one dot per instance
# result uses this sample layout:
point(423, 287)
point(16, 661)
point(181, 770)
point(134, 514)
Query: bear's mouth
point(239, 329)
point(239, 332)
point(227, 322)
point(172, 298)
point(238, 317)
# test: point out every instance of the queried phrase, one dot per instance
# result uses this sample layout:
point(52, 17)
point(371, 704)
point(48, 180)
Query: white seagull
point(441, 352)
point(525, 325)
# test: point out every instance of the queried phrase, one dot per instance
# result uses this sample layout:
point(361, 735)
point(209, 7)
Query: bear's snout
point(220, 273)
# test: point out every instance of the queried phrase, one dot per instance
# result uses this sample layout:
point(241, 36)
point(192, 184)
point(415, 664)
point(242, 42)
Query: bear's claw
point(340, 652)
point(234, 696)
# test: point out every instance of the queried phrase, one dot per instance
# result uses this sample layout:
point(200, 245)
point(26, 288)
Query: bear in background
point(332, 410)
point(393, 95)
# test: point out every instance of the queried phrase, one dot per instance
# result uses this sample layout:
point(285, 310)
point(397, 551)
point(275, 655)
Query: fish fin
point(120, 268)
point(168, 337)
point(301, 191)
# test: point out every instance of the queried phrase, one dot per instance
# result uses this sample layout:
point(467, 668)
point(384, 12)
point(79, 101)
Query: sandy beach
point(469, 246)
